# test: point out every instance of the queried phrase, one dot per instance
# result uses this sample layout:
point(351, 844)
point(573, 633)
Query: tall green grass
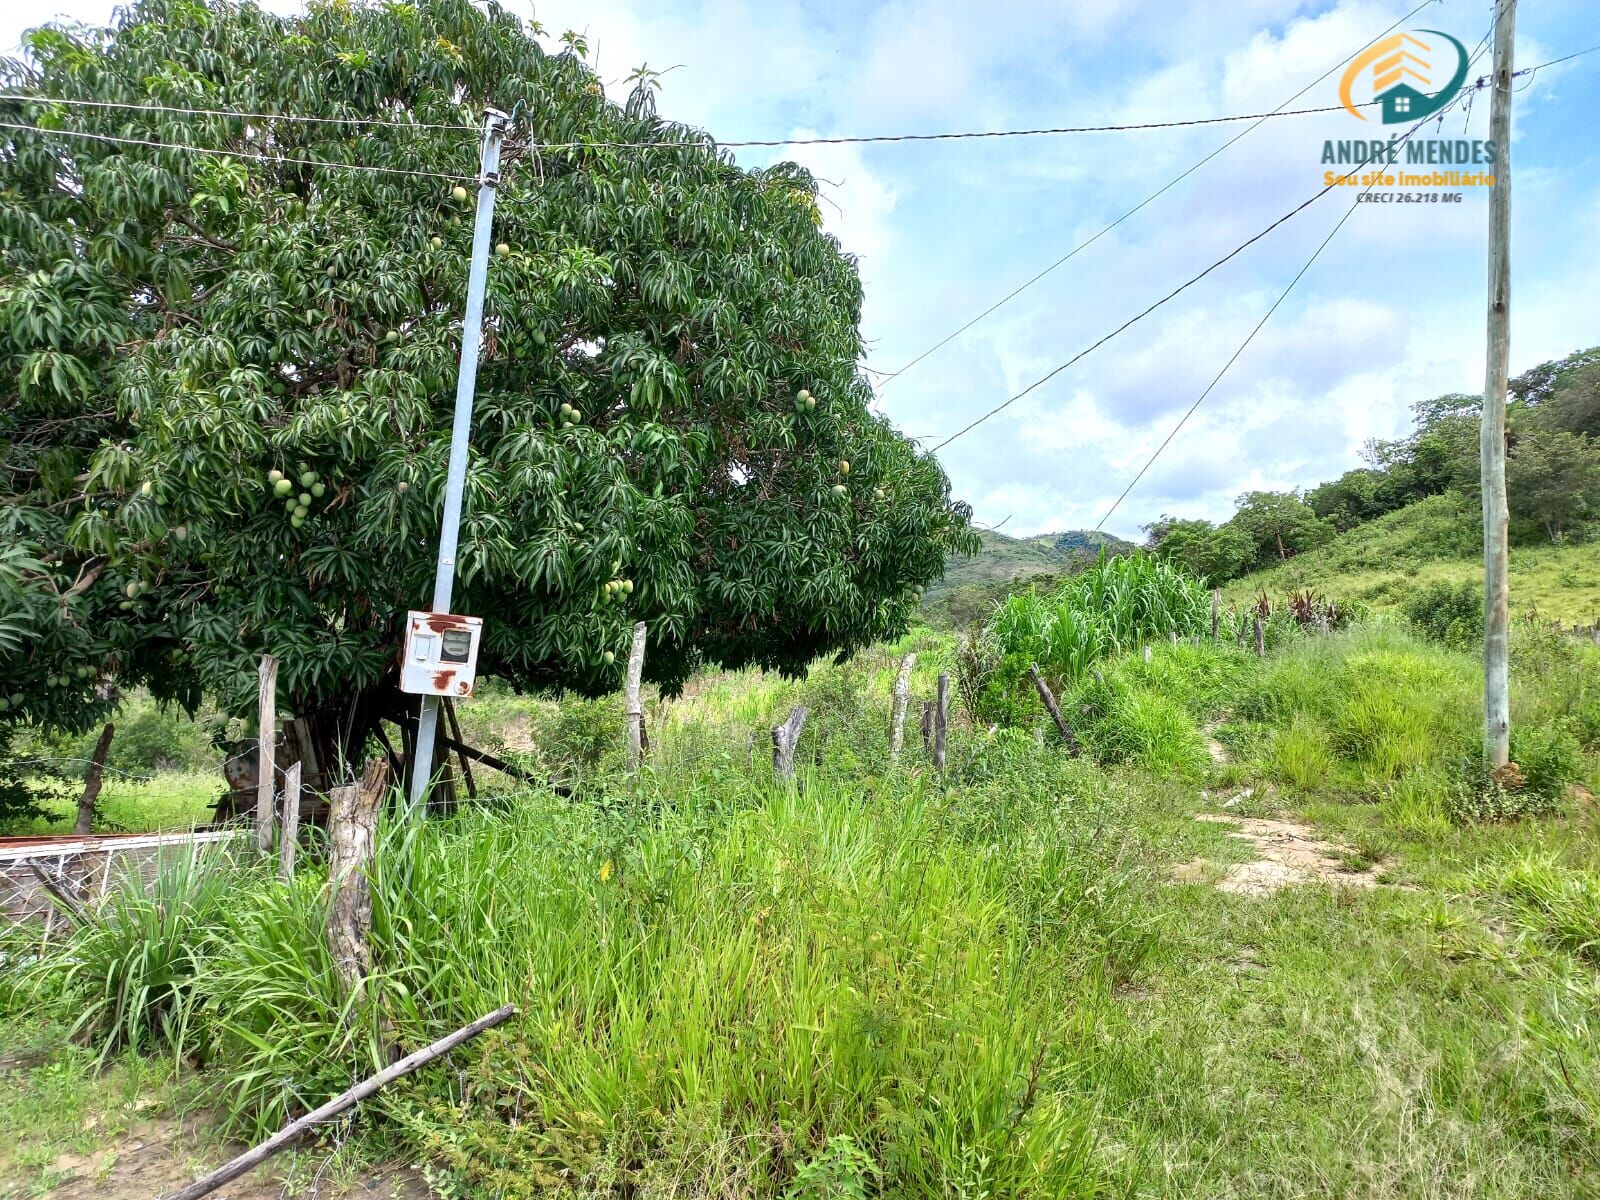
point(716, 989)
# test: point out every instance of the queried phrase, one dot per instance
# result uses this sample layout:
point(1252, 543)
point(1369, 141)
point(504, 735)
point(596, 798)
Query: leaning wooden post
point(784, 739)
point(289, 829)
point(1216, 611)
point(1051, 707)
point(321, 1116)
point(352, 837)
point(91, 783)
point(927, 726)
point(1261, 637)
point(902, 698)
point(266, 748)
point(635, 706)
point(941, 722)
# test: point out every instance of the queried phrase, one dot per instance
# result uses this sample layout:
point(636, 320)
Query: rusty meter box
point(441, 654)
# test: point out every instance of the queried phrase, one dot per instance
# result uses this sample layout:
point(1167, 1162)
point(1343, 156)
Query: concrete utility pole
point(1492, 442)
point(494, 132)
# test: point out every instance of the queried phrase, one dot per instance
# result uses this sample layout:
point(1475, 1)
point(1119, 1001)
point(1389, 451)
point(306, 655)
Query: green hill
point(972, 583)
point(1002, 559)
point(1438, 539)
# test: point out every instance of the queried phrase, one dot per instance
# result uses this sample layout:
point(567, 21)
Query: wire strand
point(275, 159)
point(234, 114)
point(1159, 192)
point(1183, 420)
point(1267, 316)
point(1182, 287)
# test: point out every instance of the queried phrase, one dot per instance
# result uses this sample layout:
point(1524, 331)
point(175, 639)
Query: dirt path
point(1287, 853)
point(155, 1158)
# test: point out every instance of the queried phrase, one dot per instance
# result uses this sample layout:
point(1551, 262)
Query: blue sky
point(1390, 314)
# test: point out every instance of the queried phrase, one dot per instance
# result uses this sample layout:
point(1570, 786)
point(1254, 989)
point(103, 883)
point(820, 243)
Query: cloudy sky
point(1391, 313)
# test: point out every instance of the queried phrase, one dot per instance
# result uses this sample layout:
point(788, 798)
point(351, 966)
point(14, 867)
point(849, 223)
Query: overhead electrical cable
point(1155, 195)
point(1267, 316)
point(1182, 287)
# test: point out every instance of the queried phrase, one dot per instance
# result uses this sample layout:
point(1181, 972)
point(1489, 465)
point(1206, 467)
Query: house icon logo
point(1406, 70)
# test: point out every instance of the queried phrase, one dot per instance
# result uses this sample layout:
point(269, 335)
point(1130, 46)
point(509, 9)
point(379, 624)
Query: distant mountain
point(1084, 541)
point(1001, 559)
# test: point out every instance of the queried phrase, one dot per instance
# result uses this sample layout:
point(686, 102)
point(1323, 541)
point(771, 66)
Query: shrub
point(1300, 754)
point(1114, 606)
point(1550, 759)
point(1448, 613)
point(133, 970)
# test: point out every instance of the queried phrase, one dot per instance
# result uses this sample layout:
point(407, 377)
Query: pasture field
point(1029, 977)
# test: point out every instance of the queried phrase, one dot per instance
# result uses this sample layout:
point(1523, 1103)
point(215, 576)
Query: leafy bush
point(133, 971)
point(1550, 759)
point(1116, 605)
point(1448, 613)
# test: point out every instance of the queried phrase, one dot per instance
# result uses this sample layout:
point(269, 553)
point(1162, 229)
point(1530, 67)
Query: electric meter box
point(441, 654)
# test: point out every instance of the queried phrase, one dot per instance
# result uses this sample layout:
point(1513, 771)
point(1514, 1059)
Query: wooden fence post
point(941, 722)
point(1261, 639)
point(927, 726)
point(266, 748)
point(635, 705)
point(1216, 611)
point(91, 783)
point(352, 837)
point(784, 739)
point(1054, 709)
point(289, 828)
point(902, 699)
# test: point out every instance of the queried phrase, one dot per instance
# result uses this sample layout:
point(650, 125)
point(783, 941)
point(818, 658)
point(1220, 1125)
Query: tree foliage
point(668, 402)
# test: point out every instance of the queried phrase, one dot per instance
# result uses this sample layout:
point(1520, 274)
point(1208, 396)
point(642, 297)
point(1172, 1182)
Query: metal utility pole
point(1492, 442)
point(495, 123)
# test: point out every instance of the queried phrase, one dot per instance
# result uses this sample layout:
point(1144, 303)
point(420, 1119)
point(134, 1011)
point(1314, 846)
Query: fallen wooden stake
point(254, 1157)
point(1054, 710)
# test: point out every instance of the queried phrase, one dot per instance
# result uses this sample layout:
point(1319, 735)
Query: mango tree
point(228, 377)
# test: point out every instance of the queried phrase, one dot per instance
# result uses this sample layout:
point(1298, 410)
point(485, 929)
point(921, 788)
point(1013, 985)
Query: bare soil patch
point(155, 1158)
point(1288, 853)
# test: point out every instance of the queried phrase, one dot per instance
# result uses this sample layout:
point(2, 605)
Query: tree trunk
point(785, 738)
point(91, 782)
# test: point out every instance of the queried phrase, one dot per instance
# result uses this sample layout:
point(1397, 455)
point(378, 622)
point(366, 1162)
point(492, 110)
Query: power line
point(1175, 292)
point(232, 114)
point(1267, 316)
point(1282, 296)
point(275, 159)
point(1135, 319)
point(1162, 190)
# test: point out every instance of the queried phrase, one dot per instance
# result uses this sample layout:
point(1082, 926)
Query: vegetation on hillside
point(882, 983)
point(1552, 479)
point(973, 583)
